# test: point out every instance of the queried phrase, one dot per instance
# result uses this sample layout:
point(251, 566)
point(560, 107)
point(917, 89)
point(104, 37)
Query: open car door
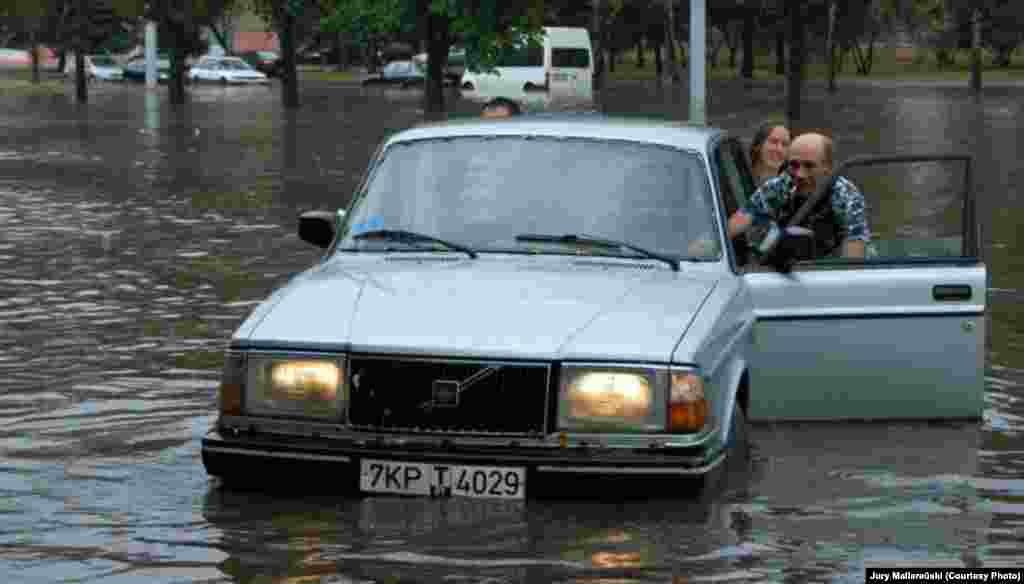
point(897, 335)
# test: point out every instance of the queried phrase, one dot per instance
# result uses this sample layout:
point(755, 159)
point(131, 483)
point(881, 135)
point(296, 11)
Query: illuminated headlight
point(296, 387)
point(595, 399)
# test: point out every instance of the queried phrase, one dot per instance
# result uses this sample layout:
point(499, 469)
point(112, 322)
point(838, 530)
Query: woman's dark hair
point(760, 137)
point(503, 102)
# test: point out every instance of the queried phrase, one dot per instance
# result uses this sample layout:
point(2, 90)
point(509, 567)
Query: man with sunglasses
point(838, 221)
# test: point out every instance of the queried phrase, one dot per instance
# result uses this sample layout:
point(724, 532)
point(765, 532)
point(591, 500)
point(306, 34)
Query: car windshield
point(235, 65)
point(483, 192)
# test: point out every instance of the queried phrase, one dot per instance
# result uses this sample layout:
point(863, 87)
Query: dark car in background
point(402, 74)
point(135, 70)
point(267, 62)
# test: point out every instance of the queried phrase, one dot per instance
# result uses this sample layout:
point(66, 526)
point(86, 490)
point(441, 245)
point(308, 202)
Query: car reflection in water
point(428, 539)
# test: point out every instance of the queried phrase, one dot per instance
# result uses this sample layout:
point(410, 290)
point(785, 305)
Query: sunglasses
point(794, 165)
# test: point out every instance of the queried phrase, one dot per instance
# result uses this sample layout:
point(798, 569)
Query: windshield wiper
point(587, 240)
point(412, 236)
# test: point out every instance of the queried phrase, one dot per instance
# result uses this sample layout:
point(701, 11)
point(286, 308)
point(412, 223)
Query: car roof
point(682, 135)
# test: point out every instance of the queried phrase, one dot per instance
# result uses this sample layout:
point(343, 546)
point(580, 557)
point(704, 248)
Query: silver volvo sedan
point(511, 304)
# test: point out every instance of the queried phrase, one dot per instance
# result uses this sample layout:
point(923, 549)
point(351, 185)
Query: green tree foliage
point(484, 28)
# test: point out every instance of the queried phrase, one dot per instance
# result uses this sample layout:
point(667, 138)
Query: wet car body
point(226, 70)
point(507, 359)
point(100, 67)
point(266, 62)
point(402, 74)
point(135, 70)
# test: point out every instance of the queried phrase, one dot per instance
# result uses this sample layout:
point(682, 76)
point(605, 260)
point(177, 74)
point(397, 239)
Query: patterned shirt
point(769, 202)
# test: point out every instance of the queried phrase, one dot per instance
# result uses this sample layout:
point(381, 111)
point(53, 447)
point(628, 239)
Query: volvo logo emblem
point(445, 393)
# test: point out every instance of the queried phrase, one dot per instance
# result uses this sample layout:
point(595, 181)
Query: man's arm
point(857, 232)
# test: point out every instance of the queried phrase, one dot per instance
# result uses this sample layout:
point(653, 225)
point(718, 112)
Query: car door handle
point(947, 292)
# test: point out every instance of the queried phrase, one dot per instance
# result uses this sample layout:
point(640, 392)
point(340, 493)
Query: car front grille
point(448, 396)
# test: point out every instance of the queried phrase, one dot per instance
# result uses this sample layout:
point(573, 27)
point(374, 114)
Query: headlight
point(632, 399)
point(308, 387)
point(612, 399)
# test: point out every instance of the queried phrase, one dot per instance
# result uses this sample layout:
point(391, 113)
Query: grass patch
point(16, 86)
point(321, 75)
point(889, 64)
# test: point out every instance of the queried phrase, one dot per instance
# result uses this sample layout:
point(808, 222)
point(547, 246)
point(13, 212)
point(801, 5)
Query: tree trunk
point(438, 43)
point(794, 74)
point(641, 58)
point(673, 52)
point(81, 90)
point(176, 84)
point(597, 37)
point(371, 60)
point(748, 41)
point(35, 54)
point(659, 65)
point(62, 60)
point(611, 61)
point(341, 44)
point(289, 80)
point(780, 52)
point(830, 46)
point(976, 50)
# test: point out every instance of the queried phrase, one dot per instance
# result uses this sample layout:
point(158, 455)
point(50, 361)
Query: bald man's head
point(810, 157)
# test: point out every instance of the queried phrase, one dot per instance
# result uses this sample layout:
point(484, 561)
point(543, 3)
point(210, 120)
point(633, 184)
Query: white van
point(563, 67)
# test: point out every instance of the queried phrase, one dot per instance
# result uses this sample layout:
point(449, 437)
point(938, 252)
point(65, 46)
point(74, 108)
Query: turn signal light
point(232, 380)
point(231, 399)
point(687, 407)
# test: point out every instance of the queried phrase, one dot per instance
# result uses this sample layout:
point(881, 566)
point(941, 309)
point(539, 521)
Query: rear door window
point(575, 58)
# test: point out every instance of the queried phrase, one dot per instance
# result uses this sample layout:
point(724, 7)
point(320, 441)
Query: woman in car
point(768, 151)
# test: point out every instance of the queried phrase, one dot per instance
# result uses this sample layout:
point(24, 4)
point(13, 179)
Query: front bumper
point(251, 458)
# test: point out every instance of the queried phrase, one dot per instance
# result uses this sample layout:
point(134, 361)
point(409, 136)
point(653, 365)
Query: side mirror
point(317, 227)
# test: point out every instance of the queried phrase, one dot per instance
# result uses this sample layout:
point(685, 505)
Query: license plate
point(441, 480)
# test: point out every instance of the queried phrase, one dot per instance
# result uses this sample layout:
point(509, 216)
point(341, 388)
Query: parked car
point(135, 70)
point(454, 67)
point(402, 74)
point(225, 70)
point(267, 62)
point(506, 304)
point(102, 67)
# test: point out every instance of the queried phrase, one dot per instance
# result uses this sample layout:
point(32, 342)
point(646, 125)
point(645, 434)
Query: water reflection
point(138, 236)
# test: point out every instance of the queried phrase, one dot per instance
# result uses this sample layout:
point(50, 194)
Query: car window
point(915, 215)
point(578, 58)
point(391, 69)
point(483, 191)
point(914, 211)
point(524, 56)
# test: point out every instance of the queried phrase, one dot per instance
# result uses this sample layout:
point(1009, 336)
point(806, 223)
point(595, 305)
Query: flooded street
point(136, 237)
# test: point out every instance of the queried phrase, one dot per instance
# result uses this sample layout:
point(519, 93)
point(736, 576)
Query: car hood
point(536, 308)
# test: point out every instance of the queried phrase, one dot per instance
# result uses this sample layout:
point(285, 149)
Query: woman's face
point(773, 151)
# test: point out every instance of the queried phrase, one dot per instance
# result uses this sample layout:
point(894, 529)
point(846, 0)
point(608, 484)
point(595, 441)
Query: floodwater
point(135, 237)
